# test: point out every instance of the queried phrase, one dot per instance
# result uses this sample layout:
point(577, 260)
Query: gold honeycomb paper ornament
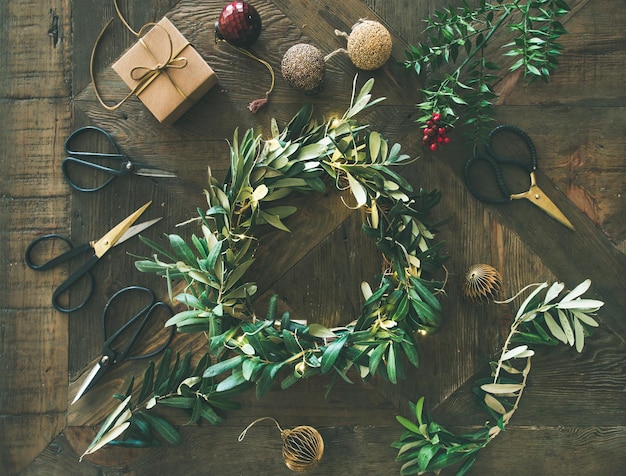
point(303, 446)
point(482, 283)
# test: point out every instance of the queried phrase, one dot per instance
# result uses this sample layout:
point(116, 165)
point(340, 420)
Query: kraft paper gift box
point(166, 73)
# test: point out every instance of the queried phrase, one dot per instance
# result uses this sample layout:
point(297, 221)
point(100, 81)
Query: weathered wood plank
point(38, 35)
point(346, 257)
point(23, 437)
point(33, 336)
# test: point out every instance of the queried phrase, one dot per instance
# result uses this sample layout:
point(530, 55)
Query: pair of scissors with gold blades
point(45, 245)
point(496, 161)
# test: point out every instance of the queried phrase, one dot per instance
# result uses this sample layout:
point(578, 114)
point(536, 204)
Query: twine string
point(242, 435)
point(512, 298)
point(144, 75)
point(257, 104)
point(338, 50)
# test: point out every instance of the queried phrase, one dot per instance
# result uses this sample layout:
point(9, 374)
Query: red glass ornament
point(239, 24)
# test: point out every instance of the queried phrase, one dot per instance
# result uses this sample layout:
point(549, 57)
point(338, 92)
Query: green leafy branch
point(458, 36)
point(172, 384)
point(426, 446)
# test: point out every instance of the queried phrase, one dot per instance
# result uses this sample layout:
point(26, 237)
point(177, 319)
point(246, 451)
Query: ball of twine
point(482, 283)
point(303, 446)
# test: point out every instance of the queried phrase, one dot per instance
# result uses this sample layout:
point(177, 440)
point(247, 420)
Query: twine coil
point(303, 446)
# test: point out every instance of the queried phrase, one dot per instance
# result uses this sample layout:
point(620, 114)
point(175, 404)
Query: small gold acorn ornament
point(369, 45)
point(482, 283)
point(303, 446)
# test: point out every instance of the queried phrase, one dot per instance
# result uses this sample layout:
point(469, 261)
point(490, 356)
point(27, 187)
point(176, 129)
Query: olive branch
point(426, 446)
point(248, 351)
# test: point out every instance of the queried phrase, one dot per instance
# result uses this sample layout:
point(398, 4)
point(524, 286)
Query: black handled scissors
point(115, 236)
point(89, 160)
point(534, 194)
point(117, 347)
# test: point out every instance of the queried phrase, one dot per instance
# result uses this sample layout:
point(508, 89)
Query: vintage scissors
point(118, 234)
point(90, 160)
point(534, 194)
point(118, 346)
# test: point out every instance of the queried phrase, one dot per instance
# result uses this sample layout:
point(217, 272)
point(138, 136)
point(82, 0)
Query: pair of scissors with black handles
point(497, 161)
point(77, 162)
point(118, 234)
point(122, 344)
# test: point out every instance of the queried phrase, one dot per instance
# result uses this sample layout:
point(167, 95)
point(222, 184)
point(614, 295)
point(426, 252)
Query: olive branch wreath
point(248, 351)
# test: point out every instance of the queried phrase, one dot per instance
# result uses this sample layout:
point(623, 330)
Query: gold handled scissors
point(534, 194)
point(118, 234)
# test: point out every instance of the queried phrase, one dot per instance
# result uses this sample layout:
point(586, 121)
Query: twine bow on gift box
point(150, 73)
point(144, 75)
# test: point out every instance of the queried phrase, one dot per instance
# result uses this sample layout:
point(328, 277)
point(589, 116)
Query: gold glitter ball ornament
point(369, 45)
point(482, 283)
point(303, 67)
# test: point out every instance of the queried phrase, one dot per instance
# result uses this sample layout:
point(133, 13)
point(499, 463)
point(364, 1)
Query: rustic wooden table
point(573, 415)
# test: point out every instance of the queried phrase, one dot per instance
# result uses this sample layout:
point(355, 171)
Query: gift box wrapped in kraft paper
point(165, 72)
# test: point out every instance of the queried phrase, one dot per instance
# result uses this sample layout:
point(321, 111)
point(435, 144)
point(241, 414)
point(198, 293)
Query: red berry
point(430, 123)
point(439, 139)
point(446, 140)
point(442, 131)
point(433, 147)
point(436, 117)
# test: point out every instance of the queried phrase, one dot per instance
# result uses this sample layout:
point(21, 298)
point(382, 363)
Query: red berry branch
point(435, 133)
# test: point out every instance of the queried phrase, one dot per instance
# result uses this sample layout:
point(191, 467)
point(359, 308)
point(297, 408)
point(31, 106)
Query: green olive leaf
point(332, 353)
point(223, 366)
point(163, 428)
point(358, 191)
point(555, 329)
point(577, 291)
point(502, 388)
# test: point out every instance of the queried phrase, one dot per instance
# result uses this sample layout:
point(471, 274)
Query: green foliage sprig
point(175, 385)
point(460, 75)
point(252, 351)
point(426, 446)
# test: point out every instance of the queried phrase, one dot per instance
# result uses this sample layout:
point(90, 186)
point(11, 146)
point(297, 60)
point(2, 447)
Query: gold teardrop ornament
point(303, 446)
point(482, 283)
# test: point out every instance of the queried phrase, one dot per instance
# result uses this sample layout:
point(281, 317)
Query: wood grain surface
point(572, 418)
